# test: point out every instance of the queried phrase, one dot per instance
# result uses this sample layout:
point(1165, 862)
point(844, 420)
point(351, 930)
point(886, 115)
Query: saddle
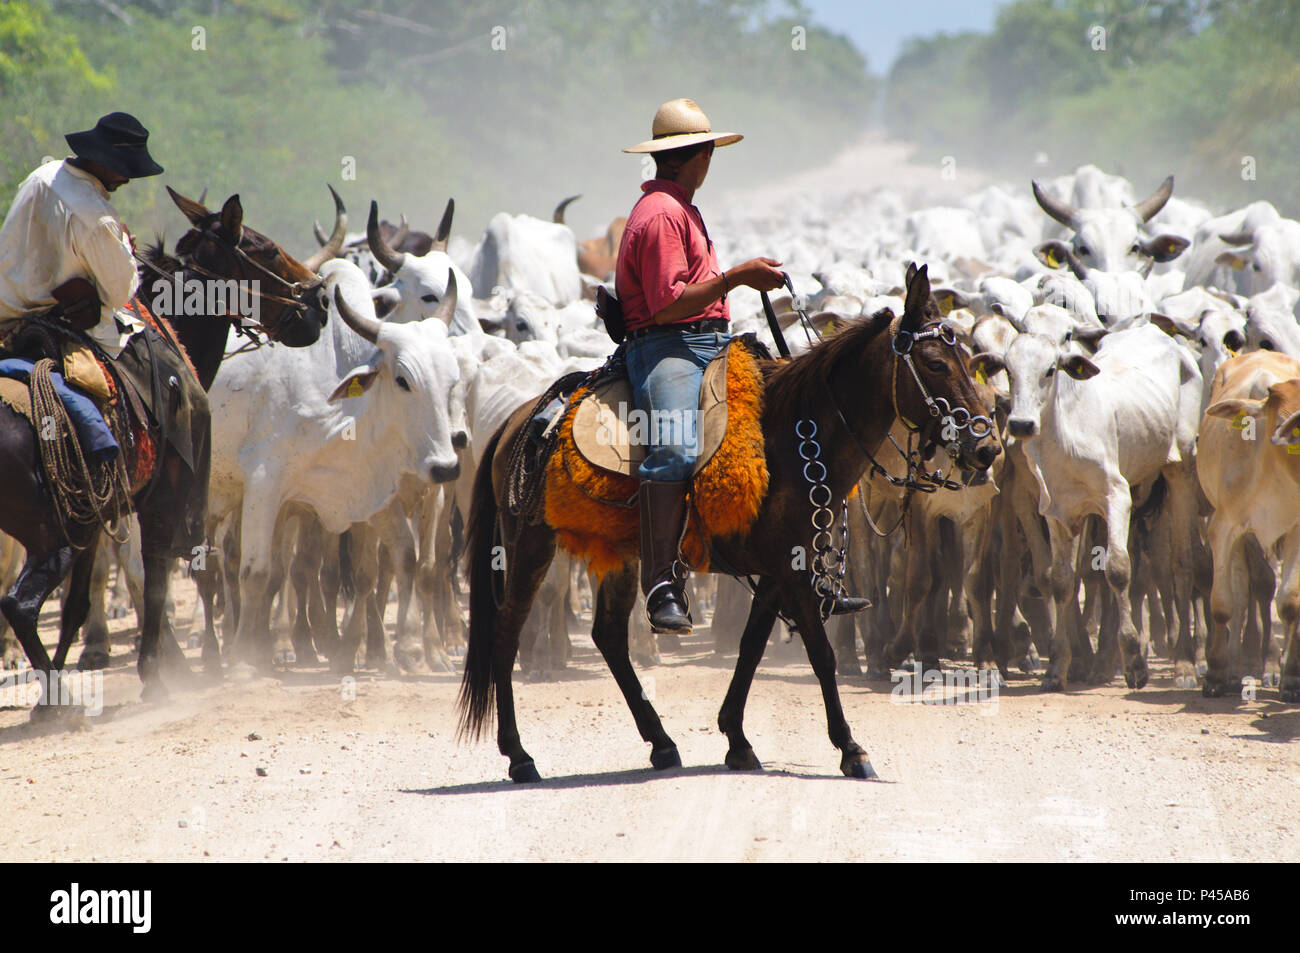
point(605, 418)
point(589, 477)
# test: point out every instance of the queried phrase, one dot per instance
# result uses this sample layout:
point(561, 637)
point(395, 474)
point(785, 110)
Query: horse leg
point(753, 641)
point(76, 599)
point(614, 600)
point(802, 604)
point(40, 575)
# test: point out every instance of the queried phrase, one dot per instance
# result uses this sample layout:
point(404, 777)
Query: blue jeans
point(665, 370)
point(96, 439)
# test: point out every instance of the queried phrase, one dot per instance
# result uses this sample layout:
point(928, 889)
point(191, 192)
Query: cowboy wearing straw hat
point(674, 302)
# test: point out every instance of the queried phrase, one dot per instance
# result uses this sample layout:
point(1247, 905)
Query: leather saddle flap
point(606, 418)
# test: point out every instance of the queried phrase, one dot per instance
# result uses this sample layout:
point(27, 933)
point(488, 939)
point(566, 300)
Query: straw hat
point(678, 123)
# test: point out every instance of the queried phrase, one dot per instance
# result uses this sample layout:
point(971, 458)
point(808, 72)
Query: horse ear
point(910, 273)
point(232, 218)
point(191, 209)
point(918, 297)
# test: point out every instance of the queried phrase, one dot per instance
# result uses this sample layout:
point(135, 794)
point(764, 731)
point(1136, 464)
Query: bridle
point(296, 289)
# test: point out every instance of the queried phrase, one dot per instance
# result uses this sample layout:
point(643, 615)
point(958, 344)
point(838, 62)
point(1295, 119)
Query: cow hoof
point(1136, 675)
point(877, 674)
point(1272, 680)
point(743, 760)
point(93, 660)
point(1031, 664)
point(117, 611)
point(342, 666)
point(437, 659)
point(1214, 686)
point(1290, 690)
point(1202, 668)
point(525, 772)
point(848, 664)
point(408, 658)
point(858, 766)
point(665, 758)
point(283, 658)
point(305, 655)
point(1186, 683)
point(1053, 683)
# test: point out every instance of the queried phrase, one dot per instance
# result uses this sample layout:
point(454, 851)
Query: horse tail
point(477, 689)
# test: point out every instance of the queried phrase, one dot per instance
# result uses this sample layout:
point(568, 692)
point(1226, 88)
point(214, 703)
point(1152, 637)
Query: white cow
point(1095, 429)
point(289, 430)
point(1264, 256)
point(523, 253)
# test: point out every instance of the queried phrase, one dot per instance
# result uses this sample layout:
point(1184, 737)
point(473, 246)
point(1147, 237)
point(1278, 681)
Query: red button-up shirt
point(664, 249)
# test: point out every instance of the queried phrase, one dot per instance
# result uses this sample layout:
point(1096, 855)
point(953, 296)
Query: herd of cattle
point(1143, 356)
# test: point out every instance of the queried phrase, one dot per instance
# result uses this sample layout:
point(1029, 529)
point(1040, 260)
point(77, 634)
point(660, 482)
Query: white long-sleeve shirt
point(62, 226)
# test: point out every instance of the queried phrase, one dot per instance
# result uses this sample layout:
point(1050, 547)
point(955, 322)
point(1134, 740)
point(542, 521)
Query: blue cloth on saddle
point(96, 439)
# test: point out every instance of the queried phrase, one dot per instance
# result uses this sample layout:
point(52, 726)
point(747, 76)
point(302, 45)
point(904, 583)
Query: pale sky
point(878, 27)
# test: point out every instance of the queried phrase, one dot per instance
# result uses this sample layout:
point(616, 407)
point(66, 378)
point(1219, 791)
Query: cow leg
point(614, 600)
point(252, 641)
point(322, 608)
point(1288, 610)
point(1228, 545)
point(1263, 587)
point(918, 583)
point(1064, 597)
point(1118, 576)
point(408, 651)
point(304, 574)
point(731, 717)
point(281, 634)
point(95, 654)
point(207, 581)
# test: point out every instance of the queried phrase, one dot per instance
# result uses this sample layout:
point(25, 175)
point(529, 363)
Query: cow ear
point(950, 299)
point(1287, 433)
point(1053, 254)
point(386, 300)
point(1088, 337)
point(1165, 247)
point(493, 325)
point(1079, 367)
point(1234, 407)
point(1170, 326)
point(1232, 259)
point(987, 363)
point(357, 382)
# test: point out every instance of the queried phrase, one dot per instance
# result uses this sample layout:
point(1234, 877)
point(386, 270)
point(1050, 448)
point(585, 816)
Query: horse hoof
point(93, 660)
point(524, 773)
point(57, 714)
point(858, 766)
point(665, 758)
point(744, 760)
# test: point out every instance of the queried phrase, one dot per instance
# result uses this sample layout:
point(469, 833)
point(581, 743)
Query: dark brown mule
point(219, 245)
point(856, 371)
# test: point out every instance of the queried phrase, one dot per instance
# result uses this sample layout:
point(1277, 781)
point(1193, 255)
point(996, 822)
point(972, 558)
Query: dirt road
point(1103, 774)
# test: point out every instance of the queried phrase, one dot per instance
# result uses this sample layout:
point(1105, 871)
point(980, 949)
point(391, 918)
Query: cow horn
point(1147, 209)
point(334, 244)
point(1237, 238)
point(319, 233)
point(444, 227)
point(392, 260)
point(1063, 212)
point(363, 324)
point(558, 217)
point(447, 306)
point(399, 235)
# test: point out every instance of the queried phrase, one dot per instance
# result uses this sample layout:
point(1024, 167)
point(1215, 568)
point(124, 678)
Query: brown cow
point(596, 256)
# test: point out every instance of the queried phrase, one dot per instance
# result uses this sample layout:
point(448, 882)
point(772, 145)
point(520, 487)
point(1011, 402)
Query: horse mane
point(788, 383)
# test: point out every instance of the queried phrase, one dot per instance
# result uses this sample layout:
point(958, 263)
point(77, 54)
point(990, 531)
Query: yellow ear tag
point(1238, 264)
point(1052, 260)
point(1293, 449)
point(355, 389)
point(1239, 421)
point(979, 375)
point(1232, 352)
point(945, 304)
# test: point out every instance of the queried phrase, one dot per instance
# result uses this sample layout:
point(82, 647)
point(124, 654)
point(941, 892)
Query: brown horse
point(852, 386)
point(219, 246)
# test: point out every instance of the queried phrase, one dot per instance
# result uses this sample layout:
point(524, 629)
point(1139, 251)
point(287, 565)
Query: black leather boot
point(663, 514)
point(847, 605)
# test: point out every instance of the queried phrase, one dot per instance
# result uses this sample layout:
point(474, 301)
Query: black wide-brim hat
point(119, 143)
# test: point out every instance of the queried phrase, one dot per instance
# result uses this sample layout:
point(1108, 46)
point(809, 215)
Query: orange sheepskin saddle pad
point(591, 489)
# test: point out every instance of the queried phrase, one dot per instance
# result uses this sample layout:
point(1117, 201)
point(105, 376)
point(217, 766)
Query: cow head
point(419, 282)
point(1110, 239)
point(1265, 256)
point(410, 381)
point(1034, 364)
